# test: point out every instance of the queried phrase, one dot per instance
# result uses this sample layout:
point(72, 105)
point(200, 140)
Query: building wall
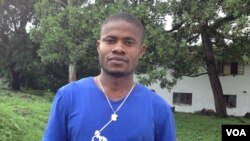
point(202, 96)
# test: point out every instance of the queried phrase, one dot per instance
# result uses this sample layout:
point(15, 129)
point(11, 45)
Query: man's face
point(119, 48)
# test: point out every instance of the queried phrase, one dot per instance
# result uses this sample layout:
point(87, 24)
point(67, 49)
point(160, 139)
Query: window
point(182, 98)
point(230, 101)
point(233, 68)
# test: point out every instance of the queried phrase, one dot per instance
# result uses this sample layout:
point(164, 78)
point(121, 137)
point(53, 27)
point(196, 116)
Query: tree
point(203, 33)
point(65, 32)
point(15, 47)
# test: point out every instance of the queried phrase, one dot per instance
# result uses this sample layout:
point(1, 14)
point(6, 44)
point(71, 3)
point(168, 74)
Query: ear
point(143, 50)
point(98, 45)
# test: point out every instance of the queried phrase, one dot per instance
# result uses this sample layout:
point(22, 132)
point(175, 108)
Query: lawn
point(194, 127)
point(23, 117)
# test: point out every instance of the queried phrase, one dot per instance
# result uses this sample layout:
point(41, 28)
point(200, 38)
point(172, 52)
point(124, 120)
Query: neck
point(115, 87)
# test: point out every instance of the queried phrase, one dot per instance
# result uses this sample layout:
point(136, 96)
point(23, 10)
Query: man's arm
point(56, 129)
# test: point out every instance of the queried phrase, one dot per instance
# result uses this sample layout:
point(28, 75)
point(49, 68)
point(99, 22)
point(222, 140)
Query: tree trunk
point(72, 72)
point(72, 66)
point(220, 106)
point(26, 80)
point(15, 84)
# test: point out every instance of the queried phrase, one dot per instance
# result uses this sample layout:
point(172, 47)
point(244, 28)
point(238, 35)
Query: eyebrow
point(109, 36)
point(114, 37)
point(129, 38)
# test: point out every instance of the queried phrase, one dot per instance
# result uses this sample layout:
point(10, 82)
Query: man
point(111, 106)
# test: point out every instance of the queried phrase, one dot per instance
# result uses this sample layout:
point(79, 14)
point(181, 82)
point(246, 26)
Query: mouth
point(117, 59)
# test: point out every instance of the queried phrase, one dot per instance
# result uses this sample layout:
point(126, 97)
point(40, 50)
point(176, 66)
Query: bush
point(207, 112)
point(247, 115)
point(49, 95)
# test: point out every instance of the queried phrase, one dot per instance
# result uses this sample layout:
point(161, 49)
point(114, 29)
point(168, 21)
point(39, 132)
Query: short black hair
point(127, 17)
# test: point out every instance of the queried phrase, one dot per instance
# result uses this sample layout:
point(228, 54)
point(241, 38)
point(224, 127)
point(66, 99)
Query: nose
point(119, 48)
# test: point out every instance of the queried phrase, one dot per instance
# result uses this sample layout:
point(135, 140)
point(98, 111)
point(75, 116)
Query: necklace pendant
point(114, 117)
point(98, 136)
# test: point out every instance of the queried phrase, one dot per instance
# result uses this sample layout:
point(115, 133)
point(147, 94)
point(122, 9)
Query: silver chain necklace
point(114, 115)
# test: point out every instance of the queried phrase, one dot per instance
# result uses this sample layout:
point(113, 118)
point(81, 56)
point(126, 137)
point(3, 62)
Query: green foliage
point(64, 32)
point(203, 33)
point(181, 49)
point(56, 76)
point(16, 49)
point(223, 23)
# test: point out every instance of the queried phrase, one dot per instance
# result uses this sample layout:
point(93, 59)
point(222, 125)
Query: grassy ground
point(23, 117)
point(193, 127)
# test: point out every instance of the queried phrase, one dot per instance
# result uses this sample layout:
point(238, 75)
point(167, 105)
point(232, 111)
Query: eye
point(109, 40)
point(129, 42)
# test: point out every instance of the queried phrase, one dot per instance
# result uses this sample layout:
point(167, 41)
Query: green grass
point(194, 127)
point(23, 117)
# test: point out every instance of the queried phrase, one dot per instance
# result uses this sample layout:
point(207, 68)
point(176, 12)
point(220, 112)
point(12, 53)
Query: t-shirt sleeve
point(56, 129)
point(165, 123)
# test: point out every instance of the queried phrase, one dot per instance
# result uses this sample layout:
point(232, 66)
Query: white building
point(192, 94)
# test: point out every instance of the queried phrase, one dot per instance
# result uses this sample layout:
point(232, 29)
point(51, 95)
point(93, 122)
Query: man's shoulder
point(147, 92)
point(157, 102)
point(78, 84)
point(85, 80)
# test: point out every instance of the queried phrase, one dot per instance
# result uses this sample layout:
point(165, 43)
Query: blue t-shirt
point(80, 110)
